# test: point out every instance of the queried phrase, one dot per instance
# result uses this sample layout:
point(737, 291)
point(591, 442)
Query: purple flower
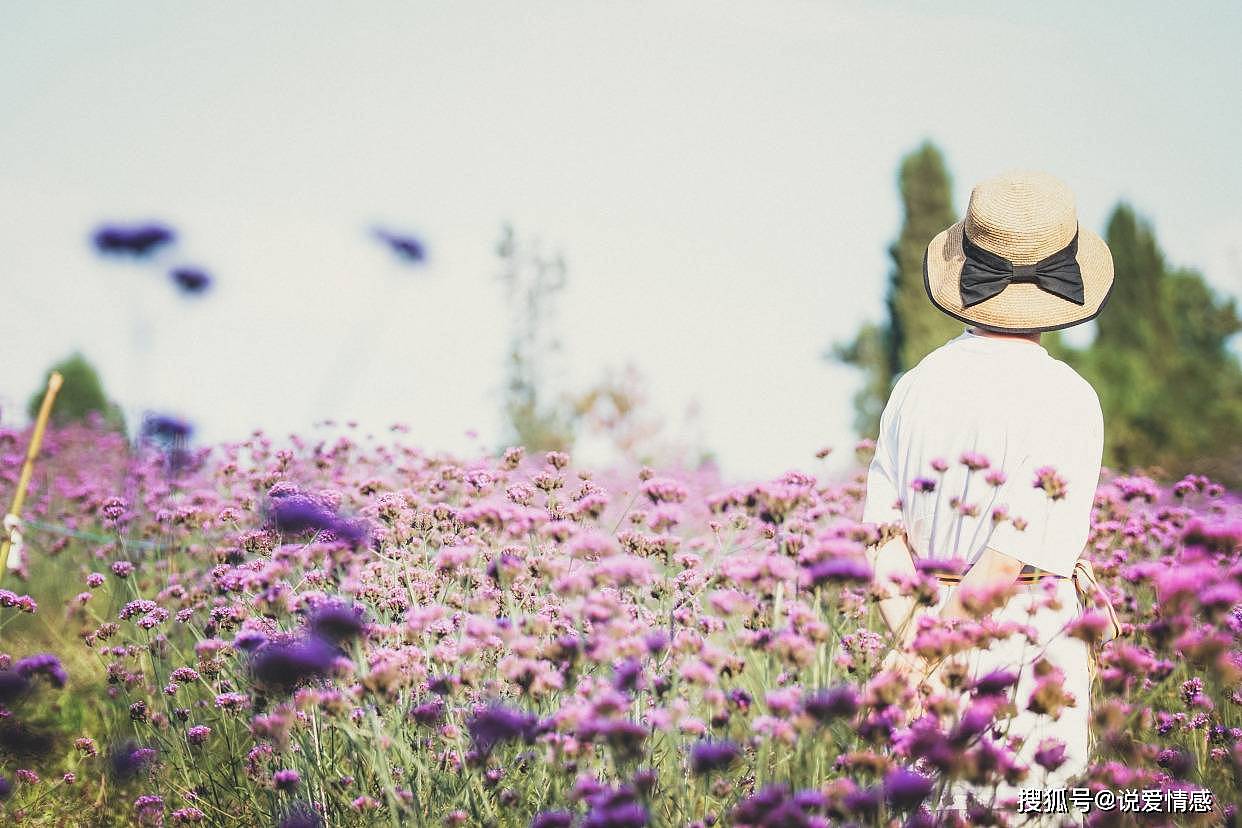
point(810, 800)
point(1051, 754)
point(285, 665)
point(496, 725)
point(627, 675)
point(1177, 762)
point(133, 240)
point(839, 571)
point(656, 641)
point(906, 789)
point(127, 760)
point(286, 780)
point(771, 807)
point(198, 734)
point(707, 757)
point(190, 280)
point(42, 664)
point(835, 703)
point(149, 802)
point(995, 683)
point(166, 428)
point(552, 819)
point(1053, 484)
point(923, 484)
point(407, 248)
point(297, 513)
point(621, 735)
point(300, 815)
point(974, 461)
point(12, 686)
point(336, 622)
point(428, 713)
point(615, 808)
point(863, 801)
point(6, 789)
point(249, 640)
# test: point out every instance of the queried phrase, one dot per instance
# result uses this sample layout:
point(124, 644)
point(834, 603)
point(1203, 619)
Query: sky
point(720, 177)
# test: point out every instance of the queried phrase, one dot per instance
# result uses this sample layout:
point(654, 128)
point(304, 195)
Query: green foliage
point(1170, 388)
point(914, 327)
point(81, 394)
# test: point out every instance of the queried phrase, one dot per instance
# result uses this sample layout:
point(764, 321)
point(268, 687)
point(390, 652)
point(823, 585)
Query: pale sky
point(719, 175)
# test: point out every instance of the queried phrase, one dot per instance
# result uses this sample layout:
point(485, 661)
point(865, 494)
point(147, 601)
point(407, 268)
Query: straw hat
point(1025, 265)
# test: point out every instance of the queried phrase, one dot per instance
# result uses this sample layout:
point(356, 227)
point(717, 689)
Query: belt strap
point(1029, 574)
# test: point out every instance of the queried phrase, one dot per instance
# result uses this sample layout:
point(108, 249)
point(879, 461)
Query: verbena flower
point(709, 757)
point(336, 622)
point(191, 281)
point(495, 725)
point(282, 666)
point(42, 664)
point(133, 239)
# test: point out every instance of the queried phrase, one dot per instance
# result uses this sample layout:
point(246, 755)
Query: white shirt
point(1010, 401)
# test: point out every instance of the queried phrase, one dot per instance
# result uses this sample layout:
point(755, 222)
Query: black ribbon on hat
point(986, 274)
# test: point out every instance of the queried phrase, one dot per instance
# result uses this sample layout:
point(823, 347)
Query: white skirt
point(1018, 654)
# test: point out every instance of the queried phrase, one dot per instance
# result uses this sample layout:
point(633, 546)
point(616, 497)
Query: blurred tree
point(914, 327)
point(81, 394)
point(1170, 388)
point(532, 281)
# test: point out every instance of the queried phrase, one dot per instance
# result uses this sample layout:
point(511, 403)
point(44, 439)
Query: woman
point(989, 455)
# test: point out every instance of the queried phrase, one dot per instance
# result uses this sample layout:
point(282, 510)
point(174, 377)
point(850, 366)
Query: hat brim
point(1020, 308)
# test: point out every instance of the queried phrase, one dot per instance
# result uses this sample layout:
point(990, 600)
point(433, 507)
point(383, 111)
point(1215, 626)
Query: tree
point(1170, 388)
point(81, 394)
point(532, 281)
point(914, 327)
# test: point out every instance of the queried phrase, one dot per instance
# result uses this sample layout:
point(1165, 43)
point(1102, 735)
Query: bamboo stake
point(32, 451)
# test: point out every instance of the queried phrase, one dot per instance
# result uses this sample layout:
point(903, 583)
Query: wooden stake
point(32, 451)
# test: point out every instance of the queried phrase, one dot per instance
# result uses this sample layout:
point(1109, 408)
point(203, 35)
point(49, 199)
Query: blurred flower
point(1053, 484)
point(707, 757)
point(42, 664)
point(840, 702)
point(407, 247)
point(906, 789)
point(165, 428)
point(839, 571)
point(12, 686)
point(300, 815)
point(129, 759)
point(336, 622)
point(285, 665)
point(191, 281)
point(134, 240)
point(286, 780)
point(495, 725)
point(615, 808)
point(1051, 754)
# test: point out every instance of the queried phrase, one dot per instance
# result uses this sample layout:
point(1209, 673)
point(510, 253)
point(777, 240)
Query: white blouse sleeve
point(1056, 526)
point(883, 503)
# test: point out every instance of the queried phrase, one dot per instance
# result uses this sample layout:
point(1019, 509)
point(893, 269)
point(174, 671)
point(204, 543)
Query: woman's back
point(1003, 402)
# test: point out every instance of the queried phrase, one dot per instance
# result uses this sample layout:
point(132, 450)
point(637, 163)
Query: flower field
point(351, 631)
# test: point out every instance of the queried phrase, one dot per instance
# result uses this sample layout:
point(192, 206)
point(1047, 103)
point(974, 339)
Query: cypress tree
point(1170, 388)
point(914, 327)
